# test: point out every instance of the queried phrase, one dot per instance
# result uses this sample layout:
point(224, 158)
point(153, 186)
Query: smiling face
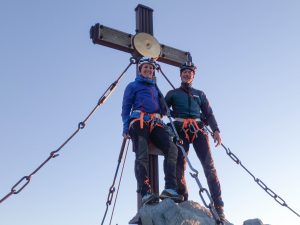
point(147, 70)
point(187, 76)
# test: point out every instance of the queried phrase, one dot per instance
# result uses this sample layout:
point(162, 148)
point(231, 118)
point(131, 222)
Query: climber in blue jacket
point(141, 114)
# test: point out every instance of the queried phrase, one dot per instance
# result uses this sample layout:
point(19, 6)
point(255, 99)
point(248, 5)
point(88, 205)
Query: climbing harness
point(112, 187)
point(150, 119)
point(276, 197)
point(190, 126)
point(195, 173)
point(24, 181)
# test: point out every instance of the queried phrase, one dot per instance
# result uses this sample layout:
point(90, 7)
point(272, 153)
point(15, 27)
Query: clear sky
point(52, 75)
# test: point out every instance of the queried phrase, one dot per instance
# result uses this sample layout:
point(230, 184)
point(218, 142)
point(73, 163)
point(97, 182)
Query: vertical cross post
point(144, 23)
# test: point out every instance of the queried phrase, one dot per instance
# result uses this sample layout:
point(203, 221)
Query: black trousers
point(201, 146)
point(160, 138)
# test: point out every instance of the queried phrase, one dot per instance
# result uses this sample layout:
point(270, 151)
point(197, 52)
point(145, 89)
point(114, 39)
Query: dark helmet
point(146, 60)
point(188, 65)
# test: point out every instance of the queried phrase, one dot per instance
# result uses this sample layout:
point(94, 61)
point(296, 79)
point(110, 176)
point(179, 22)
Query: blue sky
point(52, 75)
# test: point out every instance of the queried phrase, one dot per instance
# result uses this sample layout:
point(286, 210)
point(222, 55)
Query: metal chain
point(112, 187)
point(210, 206)
point(260, 183)
point(119, 184)
point(24, 181)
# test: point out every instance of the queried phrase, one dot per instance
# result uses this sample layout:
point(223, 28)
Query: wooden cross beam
point(122, 41)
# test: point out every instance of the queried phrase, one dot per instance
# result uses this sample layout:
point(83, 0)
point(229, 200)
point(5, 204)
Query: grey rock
point(168, 212)
point(253, 222)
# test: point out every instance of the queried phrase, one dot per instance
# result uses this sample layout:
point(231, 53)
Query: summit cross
point(122, 41)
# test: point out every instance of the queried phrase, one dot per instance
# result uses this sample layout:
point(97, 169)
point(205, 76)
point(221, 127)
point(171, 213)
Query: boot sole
point(150, 201)
point(175, 199)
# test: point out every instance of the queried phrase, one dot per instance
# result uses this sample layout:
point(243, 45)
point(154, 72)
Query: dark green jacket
point(187, 102)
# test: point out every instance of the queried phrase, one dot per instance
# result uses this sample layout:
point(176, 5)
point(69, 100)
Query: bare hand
point(126, 135)
point(217, 138)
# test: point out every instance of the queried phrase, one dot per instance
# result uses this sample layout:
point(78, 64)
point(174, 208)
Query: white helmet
point(147, 60)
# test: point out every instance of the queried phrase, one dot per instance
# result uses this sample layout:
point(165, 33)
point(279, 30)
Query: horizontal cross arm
point(123, 41)
point(111, 38)
point(173, 56)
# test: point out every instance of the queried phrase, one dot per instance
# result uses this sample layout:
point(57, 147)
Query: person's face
point(147, 70)
point(187, 76)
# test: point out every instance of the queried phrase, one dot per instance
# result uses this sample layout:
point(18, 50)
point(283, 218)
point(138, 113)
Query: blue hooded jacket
point(142, 95)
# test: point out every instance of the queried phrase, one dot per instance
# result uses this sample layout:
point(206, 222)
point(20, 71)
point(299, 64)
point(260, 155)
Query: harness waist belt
point(155, 115)
point(183, 119)
point(150, 118)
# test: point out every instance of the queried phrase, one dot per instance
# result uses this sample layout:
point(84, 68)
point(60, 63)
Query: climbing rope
point(276, 197)
point(24, 181)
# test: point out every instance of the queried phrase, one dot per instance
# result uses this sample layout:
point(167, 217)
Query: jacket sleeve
point(127, 103)
point(208, 112)
point(168, 100)
point(161, 100)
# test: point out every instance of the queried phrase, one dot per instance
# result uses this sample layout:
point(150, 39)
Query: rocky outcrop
point(168, 212)
point(253, 222)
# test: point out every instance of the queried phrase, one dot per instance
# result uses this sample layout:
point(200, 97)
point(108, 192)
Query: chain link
point(15, 189)
point(260, 183)
point(210, 206)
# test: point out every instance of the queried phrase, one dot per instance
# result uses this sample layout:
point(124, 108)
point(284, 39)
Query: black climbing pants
point(160, 138)
point(201, 146)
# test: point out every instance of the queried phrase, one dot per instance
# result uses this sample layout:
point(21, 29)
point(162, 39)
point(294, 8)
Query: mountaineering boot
point(149, 198)
point(172, 194)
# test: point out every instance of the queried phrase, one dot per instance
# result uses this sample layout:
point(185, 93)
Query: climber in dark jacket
point(141, 115)
point(187, 105)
